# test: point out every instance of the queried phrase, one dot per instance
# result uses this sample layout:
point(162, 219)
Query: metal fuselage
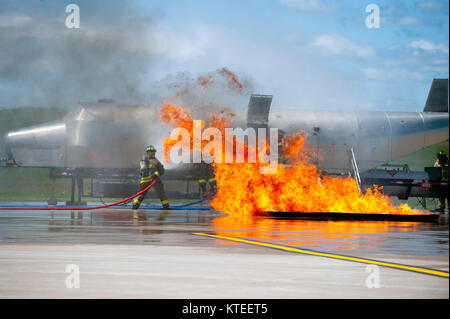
point(375, 137)
point(113, 136)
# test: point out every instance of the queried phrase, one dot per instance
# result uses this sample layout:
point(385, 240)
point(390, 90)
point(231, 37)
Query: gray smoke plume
point(207, 93)
point(217, 93)
point(44, 63)
point(111, 56)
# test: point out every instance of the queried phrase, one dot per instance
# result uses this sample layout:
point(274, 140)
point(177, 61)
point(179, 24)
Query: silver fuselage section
point(113, 136)
point(375, 137)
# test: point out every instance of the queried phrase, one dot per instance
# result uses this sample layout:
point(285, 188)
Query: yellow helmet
point(442, 154)
point(151, 149)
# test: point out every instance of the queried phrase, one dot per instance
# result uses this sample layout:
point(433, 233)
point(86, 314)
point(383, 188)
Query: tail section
point(258, 110)
point(437, 100)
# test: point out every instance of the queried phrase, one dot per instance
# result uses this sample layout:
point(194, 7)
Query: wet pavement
point(160, 248)
point(147, 227)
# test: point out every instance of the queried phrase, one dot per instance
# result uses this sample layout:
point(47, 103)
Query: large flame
point(295, 187)
point(298, 187)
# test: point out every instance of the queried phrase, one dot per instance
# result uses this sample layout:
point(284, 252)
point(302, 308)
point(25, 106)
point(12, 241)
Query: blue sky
point(312, 54)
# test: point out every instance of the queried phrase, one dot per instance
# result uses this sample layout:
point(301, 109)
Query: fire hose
point(81, 208)
point(197, 201)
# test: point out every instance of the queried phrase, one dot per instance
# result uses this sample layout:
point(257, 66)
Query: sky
point(308, 54)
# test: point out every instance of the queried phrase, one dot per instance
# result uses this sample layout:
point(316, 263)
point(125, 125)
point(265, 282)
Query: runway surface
point(154, 254)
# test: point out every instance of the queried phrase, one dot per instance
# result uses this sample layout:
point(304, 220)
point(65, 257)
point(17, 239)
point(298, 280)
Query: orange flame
point(207, 79)
point(180, 117)
point(297, 187)
point(233, 82)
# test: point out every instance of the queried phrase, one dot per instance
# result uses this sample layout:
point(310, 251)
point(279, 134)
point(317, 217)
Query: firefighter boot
point(136, 204)
point(165, 204)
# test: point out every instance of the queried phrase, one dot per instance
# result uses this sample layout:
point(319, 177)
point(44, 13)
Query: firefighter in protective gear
point(206, 176)
point(442, 162)
point(151, 168)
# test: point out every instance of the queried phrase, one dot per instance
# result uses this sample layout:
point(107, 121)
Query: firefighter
point(151, 168)
point(442, 162)
point(206, 176)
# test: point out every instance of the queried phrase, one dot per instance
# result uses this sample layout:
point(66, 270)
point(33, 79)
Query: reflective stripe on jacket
point(152, 167)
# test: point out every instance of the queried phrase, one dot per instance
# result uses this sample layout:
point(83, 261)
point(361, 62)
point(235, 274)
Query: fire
point(294, 187)
point(298, 187)
point(233, 82)
point(208, 79)
point(180, 117)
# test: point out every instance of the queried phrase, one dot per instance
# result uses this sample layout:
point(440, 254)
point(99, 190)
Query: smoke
point(117, 53)
point(219, 92)
point(122, 48)
point(44, 63)
point(207, 92)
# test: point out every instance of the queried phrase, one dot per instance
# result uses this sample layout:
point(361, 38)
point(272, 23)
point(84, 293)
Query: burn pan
point(355, 216)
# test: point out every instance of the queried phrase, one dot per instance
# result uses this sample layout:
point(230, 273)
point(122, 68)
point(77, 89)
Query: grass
point(423, 158)
point(34, 184)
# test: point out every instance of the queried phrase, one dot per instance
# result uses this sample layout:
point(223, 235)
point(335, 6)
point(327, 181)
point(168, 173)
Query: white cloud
point(312, 5)
point(334, 44)
point(391, 74)
point(425, 45)
point(13, 20)
point(440, 69)
point(430, 5)
point(290, 70)
point(440, 61)
point(410, 21)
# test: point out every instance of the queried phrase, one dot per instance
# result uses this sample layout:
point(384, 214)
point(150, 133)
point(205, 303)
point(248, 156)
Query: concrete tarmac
point(154, 254)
